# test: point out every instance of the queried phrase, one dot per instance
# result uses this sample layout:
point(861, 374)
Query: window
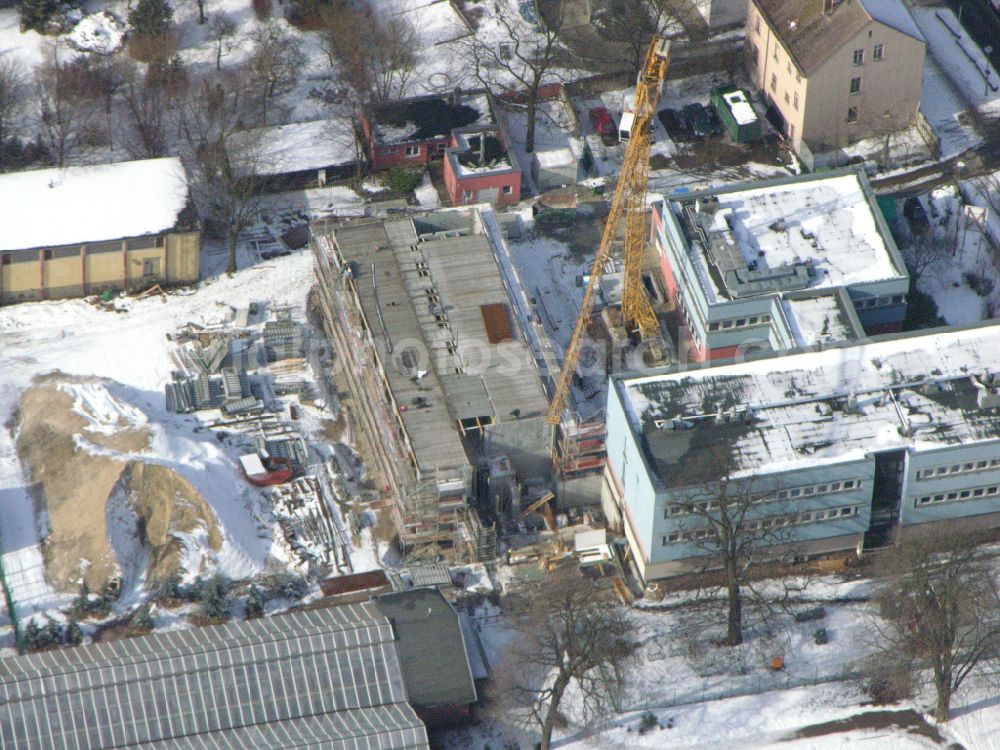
point(413, 150)
point(774, 81)
point(789, 67)
point(442, 147)
point(852, 114)
point(756, 52)
point(856, 85)
point(713, 326)
point(776, 53)
point(877, 52)
point(508, 189)
point(151, 267)
point(791, 131)
point(756, 26)
point(859, 56)
point(795, 100)
point(788, 99)
point(145, 243)
point(798, 78)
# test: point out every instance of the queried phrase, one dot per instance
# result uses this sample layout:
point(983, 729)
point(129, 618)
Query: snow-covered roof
point(303, 145)
point(799, 410)
point(824, 231)
point(557, 157)
point(820, 319)
point(894, 15)
point(740, 107)
point(71, 205)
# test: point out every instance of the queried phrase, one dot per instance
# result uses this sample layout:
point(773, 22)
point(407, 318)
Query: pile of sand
point(103, 516)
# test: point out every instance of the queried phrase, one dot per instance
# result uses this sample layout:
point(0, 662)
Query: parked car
point(602, 122)
point(698, 120)
point(674, 123)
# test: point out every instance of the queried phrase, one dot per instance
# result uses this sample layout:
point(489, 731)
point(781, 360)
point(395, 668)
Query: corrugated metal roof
point(240, 685)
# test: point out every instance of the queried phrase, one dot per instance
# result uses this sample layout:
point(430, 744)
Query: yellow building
point(82, 230)
point(837, 71)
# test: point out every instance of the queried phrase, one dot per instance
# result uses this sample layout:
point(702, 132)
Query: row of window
point(415, 150)
point(809, 490)
point(869, 302)
point(747, 322)
point(963, 468)
point(73, 251)
point(877, 54)
point(773, 522)
point(973, 493)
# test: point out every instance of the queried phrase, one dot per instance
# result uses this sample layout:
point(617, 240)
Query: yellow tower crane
point(630, 201)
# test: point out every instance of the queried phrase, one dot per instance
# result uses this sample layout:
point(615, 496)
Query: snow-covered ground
point(703, 696)
point(958, 254)
point(132, 351)
point(963, 62)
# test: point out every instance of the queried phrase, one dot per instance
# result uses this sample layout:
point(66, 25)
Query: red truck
point(603, 123)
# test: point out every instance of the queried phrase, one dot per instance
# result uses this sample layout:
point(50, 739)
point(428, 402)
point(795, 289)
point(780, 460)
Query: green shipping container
point(733, 106)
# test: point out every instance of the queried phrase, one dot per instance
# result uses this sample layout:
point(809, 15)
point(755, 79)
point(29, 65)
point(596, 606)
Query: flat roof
point(427, 293)
point(425, 117)
point(803, 409)
point(799, 233)
point(820, 319)
point(72, 205)
point(301, 146)
point(431, 646)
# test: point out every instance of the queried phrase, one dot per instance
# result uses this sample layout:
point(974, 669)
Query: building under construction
point(435, 352)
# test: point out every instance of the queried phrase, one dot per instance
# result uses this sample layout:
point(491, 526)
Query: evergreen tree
point(53, 633)
point(142, 619)
point(32, 634)
point(81, 605)
point(214, 604)
point(36, 13)
point(151, 18)
point(74, 635)
point(255, 603)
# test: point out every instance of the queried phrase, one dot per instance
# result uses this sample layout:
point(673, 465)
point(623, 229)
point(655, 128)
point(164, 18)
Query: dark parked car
point(698, 120)
point(674, 123)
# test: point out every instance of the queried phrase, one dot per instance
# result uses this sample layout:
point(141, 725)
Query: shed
point(554, 168)
point(733, 106)
point(432, 651)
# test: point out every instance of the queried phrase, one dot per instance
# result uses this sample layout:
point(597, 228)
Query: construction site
point(453, 364)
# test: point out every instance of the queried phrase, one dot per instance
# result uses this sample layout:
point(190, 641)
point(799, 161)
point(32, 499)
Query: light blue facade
point(720, 325)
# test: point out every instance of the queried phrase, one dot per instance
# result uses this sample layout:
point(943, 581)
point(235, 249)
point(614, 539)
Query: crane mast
point(629, 202)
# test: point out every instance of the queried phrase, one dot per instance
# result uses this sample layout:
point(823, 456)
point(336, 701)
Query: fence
point(11, 607)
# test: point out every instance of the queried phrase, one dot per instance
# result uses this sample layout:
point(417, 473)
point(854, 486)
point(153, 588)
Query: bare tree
point(68, 109)
point(632, 23)
point(221, 30)
point(223, 159)
point(14, 93)
point(382, 67)
point(276, 58)
point(569, 631)
point(145, 132)
point(519, 64)
point(928, 252)
point(939, 603)
point(735, 523)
